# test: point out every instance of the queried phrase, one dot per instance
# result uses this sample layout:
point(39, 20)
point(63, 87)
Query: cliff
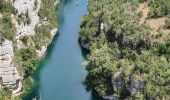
point(8, 72)
point(29, 21)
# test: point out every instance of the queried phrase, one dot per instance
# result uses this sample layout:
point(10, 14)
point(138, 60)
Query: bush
point(49, 11)
point(24, 18)
point(6, 29)
point(159, 8)
point(127, 48)
point(6, 7)
point(27, 57)
point(25, 40)
point(167, 23)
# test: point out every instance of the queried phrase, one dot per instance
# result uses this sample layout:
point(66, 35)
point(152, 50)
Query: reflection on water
point(61, 74)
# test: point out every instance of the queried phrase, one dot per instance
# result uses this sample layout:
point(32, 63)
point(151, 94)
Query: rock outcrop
point(136, 83)
point(133, 86)
point(8, 72)
point(31, 7)
point(84, 46)
point(118, 82)
point(9, 75)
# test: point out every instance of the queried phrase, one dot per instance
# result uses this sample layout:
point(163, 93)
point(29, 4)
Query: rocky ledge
point(9, 75)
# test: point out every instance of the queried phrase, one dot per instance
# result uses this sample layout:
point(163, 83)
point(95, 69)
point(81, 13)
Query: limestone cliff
point(25, 20)
point(27, 6)
point(8, 73)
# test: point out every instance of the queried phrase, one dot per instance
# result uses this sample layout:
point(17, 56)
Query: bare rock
point(109, 98)
point(118, 82)
point(9, 75)
point(85, 46)
point(136, 83)
point(53, 32)
point(42, 51)
point(23, 6)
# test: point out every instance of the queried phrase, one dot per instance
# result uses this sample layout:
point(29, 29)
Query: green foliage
point(167, 23)
point(159, 8)
point(125, 46)
point(27, 85)
point(6, 28)
point(26, 60)
point(43, 32)
point(24, 18)
point(48, 11)
point(6, 7)
point(6, 94)
point(43, 36)
point(25, 40)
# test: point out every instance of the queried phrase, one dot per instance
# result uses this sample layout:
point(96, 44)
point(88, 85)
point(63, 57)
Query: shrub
point(167, 23)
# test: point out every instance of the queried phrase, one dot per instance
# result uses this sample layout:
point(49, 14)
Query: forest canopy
point(128, 58)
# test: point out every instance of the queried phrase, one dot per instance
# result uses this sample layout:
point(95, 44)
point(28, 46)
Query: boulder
point(84, 46)
point(136, 83)
point(118, 82)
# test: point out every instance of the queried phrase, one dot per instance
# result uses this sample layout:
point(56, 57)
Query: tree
point(125, 47)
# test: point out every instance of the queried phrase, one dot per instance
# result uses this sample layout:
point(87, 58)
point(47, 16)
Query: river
point(61, 74)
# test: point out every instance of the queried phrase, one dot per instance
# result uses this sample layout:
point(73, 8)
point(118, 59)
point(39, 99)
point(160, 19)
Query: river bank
point(129, 56)
point(47, 29)
point(29, 27)
point(61, 74)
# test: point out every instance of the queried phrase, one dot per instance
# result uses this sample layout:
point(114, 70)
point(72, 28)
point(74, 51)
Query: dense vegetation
point(6, 7)
point(6, 26)
point(125, 61)
point(159, 8)
point(6, 94)
point(167, 23)
point(47, 12)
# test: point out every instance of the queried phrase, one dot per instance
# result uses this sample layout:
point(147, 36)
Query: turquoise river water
point(61, 73)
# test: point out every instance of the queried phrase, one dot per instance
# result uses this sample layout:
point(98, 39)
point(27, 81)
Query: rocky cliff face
point(31, 9)
point(132, 87)
point(28, 9)
point(8, 73)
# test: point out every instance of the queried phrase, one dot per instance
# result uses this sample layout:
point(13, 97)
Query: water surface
point(62, 74)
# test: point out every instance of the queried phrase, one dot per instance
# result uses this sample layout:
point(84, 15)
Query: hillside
point(27, 27)
point(129, 48)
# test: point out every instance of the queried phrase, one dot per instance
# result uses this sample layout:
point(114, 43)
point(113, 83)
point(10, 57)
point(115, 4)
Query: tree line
point(126, 49)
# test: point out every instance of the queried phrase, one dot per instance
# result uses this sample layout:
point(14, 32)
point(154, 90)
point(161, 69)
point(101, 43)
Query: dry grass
point(143, 7)
point(155, 24)
point(167, 31)
point(1, 16)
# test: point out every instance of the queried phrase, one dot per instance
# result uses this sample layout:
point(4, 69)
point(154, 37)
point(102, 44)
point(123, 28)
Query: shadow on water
point(35, 88)
point(36, 85)
point(65, 2)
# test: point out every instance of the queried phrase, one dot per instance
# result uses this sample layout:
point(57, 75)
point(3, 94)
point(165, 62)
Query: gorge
point(84, 49)
point(61, 75)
